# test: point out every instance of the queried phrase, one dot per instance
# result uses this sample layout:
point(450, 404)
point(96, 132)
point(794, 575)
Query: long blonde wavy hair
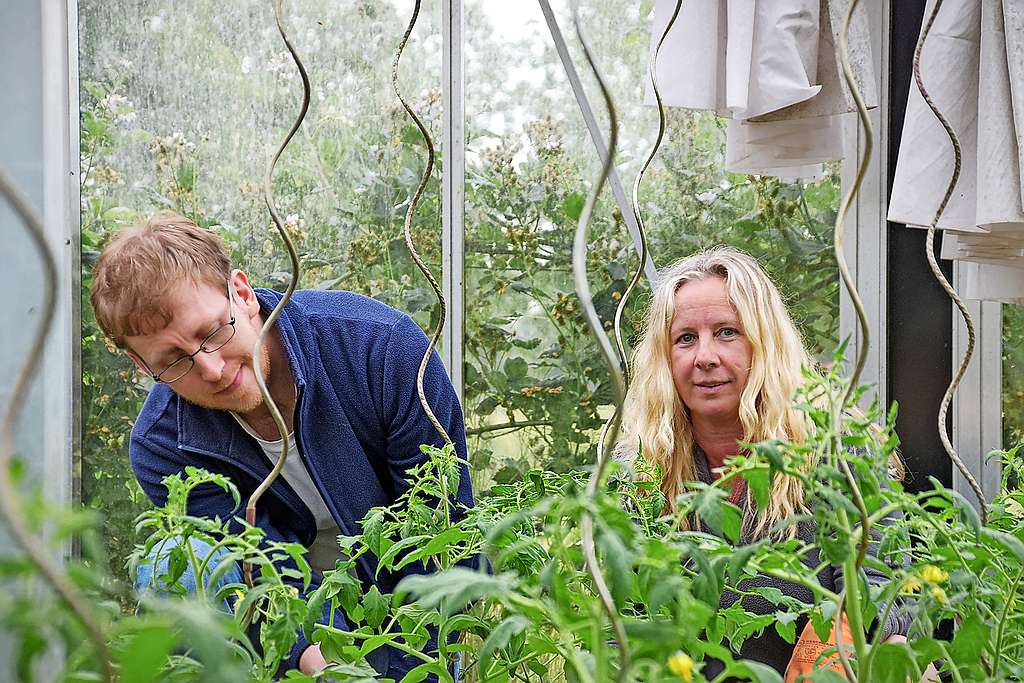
point(656, 418)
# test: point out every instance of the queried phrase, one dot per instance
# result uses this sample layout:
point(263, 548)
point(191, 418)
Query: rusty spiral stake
point(261, 381)
point(641, 228)
point(934, 265)
point(611, 427)
point(410, 212)
point(33, 548)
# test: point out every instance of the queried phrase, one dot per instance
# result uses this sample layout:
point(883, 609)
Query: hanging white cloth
point(772, 68)
point(973, 67)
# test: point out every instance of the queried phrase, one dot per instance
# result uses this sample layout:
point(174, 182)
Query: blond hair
point(657, 419)
point(142, 263)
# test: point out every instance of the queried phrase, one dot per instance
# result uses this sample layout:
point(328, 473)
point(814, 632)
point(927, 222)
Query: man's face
point(223, 379)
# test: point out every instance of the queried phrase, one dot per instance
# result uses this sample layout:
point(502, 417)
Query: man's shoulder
point(157, 422)
point(346, 307)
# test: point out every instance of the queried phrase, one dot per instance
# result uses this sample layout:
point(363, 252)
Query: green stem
point(1011, 597)
point(851, 601)
point(954, 671)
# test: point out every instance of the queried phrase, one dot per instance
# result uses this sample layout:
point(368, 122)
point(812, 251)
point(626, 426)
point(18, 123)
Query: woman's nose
point(707, 356)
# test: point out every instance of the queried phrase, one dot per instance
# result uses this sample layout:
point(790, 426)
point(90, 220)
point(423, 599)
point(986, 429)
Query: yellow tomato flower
point(932, 574)
point(911, 585)
point(939, 595)
point(682, 666)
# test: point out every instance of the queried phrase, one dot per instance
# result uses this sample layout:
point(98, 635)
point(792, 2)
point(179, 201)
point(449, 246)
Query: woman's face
point(710, 354)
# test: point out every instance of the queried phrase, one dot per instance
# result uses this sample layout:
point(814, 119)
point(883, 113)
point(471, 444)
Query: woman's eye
point(686, 338)
point(728, 332)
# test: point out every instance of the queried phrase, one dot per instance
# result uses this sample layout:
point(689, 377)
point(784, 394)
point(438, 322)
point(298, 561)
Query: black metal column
point(920, 319)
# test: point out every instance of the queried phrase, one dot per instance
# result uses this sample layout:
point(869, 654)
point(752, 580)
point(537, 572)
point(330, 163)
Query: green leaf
point(617, 564)
point(462, 622)
point(759, 481)
point(822, 620)
point(708, 506)
point(516, 368)
point(500, 637)
point(739, 558)
point(572, 205)
point(397, 548)
point(732, 522)
point(893, 663)
point(785, 625)
point(755, 671)
point(1008, 541)
point(970, 641)
point(423, 670)
point(375, 607)
point(455, 587)
point(145, 653)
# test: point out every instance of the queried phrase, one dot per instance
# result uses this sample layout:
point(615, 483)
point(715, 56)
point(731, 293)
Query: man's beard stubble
point(247, 397)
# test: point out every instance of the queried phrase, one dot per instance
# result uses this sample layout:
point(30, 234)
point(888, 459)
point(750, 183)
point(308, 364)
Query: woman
point(720, 364)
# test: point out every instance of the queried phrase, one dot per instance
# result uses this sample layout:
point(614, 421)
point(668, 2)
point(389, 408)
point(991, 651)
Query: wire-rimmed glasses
point(213, 342)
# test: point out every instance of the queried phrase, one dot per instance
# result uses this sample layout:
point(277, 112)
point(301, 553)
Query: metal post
point(61, 218)
point(977, 403)
point(453, 178)
point(867, 251)
point(595, 134)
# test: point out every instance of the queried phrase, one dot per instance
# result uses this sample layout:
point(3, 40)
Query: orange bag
point(809, 647)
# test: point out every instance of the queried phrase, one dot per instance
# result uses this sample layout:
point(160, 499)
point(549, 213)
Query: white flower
point(114, 103)
point(707, 197)
point(246, 64)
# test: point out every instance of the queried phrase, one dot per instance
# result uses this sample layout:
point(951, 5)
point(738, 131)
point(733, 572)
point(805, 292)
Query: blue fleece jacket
point(358, 428)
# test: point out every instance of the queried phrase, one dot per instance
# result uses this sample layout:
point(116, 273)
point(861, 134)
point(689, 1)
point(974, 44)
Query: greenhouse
point(466, 340)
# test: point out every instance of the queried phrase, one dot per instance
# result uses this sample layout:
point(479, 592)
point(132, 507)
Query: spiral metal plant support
point(410, 212)
point(611, 427)
point(32, 548)
point(635, 204)
point(844, 272)
point(268, 193)
point(934, 265)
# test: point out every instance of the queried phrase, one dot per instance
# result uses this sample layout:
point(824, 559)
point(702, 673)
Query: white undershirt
point(324, 551)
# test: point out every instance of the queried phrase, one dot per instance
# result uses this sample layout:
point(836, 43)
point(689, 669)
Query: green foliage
point(1013, 375)
point(508, 587)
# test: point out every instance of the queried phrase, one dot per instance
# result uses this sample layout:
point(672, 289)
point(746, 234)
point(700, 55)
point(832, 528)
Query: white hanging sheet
point(966, 65)
point(771, 66)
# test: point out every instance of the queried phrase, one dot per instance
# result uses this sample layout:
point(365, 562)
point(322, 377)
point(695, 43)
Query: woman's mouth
point(710, 387)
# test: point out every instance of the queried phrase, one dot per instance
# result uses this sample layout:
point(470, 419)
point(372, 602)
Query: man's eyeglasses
point(213, 342)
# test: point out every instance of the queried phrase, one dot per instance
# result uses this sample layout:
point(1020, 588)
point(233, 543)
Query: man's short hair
point(143, 263)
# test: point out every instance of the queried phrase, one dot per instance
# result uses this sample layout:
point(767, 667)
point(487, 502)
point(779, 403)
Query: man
point(341, 368)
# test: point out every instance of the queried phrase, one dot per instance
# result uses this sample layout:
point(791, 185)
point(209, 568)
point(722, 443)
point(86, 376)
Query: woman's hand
point(312, 661)
point(930, 674)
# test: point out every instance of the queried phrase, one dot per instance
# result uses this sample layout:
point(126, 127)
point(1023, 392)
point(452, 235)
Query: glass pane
point(535, 384)
point(1013, 375)
point(182, 105)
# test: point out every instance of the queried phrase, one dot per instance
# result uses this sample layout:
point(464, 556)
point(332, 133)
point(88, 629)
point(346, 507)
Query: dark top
point(358, 429)
point(769, 647)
